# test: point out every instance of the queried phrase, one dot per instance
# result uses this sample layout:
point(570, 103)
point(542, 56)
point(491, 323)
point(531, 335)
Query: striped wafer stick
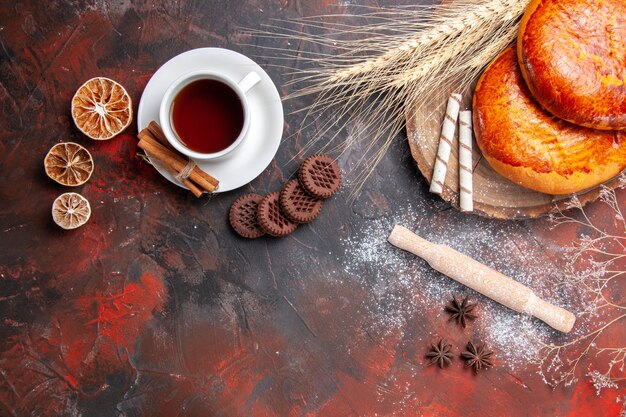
point(465, 161)
point(445, 144)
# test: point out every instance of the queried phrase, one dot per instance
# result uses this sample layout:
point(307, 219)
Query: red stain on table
point(80, 344)
point(121, 315)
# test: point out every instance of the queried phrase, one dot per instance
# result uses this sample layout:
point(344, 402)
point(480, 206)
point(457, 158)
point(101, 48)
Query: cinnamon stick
point(186, 182)
point(160, 152)
point(155, 129)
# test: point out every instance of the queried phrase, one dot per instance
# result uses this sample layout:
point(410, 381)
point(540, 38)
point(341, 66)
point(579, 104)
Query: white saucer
point(266, 114)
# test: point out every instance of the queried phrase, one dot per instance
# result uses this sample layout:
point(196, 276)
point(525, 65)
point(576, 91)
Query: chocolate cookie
point(243, 216)
point(320, 176)
point(297, 204)
point(271, 219)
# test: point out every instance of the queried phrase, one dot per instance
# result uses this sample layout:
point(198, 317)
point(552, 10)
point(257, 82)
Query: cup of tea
point(205, 114)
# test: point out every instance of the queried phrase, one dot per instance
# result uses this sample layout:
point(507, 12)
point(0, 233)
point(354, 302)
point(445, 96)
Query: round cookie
point(320, 176)
point(271, 218)
point(572, 56)
point(529, 146)
point(297, 204)
point(243, 216)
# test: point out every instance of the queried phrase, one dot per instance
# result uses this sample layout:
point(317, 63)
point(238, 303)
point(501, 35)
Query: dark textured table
point(156, 308)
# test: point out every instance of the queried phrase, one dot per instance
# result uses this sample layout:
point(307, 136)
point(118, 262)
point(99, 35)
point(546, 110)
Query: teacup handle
point(249, 81)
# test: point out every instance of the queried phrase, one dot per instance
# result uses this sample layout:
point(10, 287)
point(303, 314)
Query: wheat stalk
point(451, 21)
point(379, 71)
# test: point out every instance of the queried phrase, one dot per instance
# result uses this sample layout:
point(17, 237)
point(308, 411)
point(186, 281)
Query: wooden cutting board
point(494, 195)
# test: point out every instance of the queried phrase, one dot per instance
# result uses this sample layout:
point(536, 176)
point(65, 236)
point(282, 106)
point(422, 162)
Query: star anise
point(477, 357)
point(440, 354)
point(461, 311)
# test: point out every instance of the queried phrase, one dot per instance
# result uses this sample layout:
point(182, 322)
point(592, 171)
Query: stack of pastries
point(550, 112)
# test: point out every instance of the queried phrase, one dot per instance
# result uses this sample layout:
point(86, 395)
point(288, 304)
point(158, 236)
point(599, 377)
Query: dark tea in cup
point(207, 116)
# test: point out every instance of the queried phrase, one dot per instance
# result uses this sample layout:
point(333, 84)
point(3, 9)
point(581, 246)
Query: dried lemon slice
point(69, 164)
point(71, 210)
point(101, 108)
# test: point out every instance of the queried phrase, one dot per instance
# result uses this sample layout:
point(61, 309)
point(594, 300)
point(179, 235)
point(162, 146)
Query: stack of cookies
point(300, 201)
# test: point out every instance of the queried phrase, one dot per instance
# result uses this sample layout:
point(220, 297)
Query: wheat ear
point(452, 23)
point(377, 73)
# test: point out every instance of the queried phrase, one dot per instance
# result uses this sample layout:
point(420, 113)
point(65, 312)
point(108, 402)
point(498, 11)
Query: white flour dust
point(404, 285)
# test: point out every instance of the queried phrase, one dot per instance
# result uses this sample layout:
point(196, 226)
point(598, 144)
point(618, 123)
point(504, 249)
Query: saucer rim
point(276, 110)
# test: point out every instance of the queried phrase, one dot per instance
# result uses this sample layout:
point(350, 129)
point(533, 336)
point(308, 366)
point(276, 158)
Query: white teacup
point(165, 112)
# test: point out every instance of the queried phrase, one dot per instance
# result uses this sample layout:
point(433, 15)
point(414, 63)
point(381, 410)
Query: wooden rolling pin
point(483, 279)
